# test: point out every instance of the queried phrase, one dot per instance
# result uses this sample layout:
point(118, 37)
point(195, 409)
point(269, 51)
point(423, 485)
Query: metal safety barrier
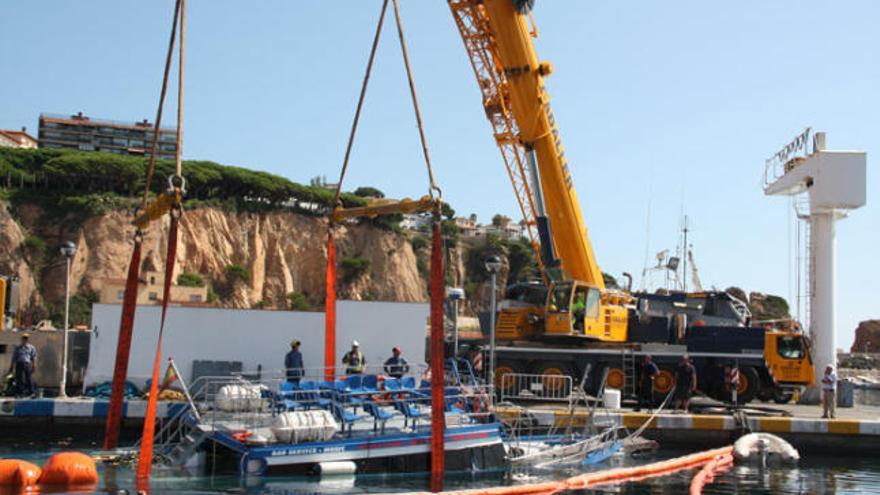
point(524, 386)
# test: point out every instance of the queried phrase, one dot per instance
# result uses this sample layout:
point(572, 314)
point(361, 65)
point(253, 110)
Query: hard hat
point(294, 343)
point(355, 343)
point(396, 349)
point(25, 335)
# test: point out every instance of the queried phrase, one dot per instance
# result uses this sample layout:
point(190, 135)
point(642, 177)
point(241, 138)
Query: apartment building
point(84, 133)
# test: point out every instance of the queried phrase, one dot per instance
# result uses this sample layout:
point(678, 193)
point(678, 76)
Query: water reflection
point(814, 475)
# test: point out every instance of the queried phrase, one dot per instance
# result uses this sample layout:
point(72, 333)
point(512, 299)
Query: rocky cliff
point(282, 252)
point(867, 337)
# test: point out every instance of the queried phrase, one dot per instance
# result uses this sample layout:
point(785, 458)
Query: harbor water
point(813, 475)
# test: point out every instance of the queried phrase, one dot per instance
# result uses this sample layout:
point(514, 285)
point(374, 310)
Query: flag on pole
point(170, 377)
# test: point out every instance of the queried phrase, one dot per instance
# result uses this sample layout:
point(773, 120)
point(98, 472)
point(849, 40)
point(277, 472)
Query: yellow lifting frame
point(378, 207)
point(158, 207)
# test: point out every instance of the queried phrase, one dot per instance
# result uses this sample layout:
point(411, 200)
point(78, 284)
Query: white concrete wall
point(253, 337)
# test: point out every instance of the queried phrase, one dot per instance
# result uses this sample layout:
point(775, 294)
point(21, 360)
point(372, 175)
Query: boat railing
point(240, 404)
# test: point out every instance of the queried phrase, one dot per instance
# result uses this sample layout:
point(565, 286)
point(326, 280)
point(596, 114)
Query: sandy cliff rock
point(867, 337)
point(12, 258)
point(282, 251)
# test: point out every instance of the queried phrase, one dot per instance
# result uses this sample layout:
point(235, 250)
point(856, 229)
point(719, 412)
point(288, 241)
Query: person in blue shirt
point(650, 372)
point(396, 366)
point(293, 363)
point(24, 359)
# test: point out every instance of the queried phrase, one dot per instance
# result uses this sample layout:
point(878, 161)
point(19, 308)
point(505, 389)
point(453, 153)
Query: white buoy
point(763, 446)
point(335, 468)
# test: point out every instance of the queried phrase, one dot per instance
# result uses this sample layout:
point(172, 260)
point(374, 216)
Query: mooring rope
point(641, 429)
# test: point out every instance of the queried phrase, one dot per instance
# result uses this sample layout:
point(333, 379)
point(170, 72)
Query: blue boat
point(354, 425)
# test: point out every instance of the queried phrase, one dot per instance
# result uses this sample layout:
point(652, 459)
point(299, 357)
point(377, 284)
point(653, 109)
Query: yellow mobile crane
point(609, 330)
point(497, 36)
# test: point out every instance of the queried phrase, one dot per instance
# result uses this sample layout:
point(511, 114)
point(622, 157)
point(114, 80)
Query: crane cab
point(576, 309)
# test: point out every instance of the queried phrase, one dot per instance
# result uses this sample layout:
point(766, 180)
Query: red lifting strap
point(145, 461)
point(330, 310)
point(123, 348)
point(438, 282)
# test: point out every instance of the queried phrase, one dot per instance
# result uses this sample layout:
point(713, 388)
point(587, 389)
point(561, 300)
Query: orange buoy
point(15, 472)
point(69, 468)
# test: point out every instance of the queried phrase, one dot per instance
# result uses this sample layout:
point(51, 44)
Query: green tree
point(368, 192)
point(446, 211)
point(189, 279)
point(33, 248)
point(80, 309)
point(235, 272)
point(521, 257)
point(500, 220)
point(419, 242)
point(354, 267)
point(475, 263)
point(298, 301)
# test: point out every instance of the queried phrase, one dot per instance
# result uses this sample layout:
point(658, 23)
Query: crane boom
point(499, 43)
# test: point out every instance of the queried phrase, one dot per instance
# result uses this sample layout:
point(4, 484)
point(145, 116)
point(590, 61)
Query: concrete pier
point(78, 418)
point(856, 431)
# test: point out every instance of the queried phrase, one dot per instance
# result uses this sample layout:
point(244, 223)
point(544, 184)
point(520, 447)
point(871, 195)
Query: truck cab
point(787, 354)
point(576, 309)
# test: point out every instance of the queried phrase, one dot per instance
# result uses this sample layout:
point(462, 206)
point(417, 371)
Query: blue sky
point(669, 104)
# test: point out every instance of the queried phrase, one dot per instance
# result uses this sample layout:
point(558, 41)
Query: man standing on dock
point(829, 393)
point(396, 366)
point(293, 363)
point(24, 359)
point(650, 371)
point(685, 383)
point(354, 360)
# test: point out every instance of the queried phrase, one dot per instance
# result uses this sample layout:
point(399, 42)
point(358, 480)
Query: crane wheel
point(553, 376)
point(782, 396)
point(507, 386)
point(749, 385)
point(616, 378)
point(664, 381)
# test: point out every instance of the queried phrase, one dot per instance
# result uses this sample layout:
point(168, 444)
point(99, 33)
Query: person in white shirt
point(829, 393)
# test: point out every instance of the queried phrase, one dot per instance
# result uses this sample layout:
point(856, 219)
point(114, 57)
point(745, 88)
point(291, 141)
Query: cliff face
point(283, 253)
point(12, 257)
point(867, 337)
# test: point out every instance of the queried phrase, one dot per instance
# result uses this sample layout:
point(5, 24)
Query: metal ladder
point(191, 433)
point(628, 362)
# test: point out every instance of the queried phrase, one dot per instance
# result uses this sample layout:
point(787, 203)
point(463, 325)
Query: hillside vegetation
point(89, 183)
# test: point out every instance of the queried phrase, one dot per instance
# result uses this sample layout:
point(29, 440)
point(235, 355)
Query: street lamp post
point(68, 250)
point(455, 294)
point(493, 264)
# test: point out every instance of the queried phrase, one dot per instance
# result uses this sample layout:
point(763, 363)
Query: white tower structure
point(835, 183)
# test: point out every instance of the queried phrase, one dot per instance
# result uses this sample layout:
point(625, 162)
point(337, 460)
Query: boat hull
point(468, 448)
